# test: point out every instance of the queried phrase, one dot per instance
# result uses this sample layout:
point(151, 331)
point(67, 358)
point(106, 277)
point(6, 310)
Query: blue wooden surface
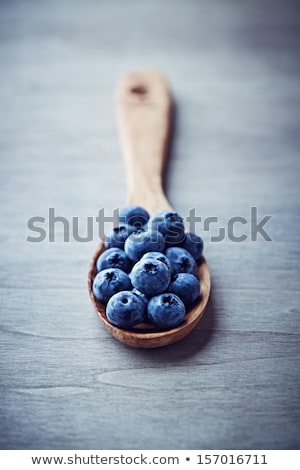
point(234, 72)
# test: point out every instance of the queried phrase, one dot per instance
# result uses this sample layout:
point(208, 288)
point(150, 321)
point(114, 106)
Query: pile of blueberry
point(148, 271)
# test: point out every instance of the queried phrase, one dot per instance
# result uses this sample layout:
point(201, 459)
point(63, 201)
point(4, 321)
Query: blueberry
point(141, 295)
point(133, 215)
point(150, 276)
point(125, 309)
point(113, 258)
point(166, 310)
point(157, 255)
point(108, 282)
point(187, 287)
point(118, 236)
point(141, 241)
point(170, 224)
point(181, 260)
point(193, 244)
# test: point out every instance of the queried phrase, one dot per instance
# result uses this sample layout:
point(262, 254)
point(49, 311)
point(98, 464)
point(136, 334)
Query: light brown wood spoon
point(144, 114)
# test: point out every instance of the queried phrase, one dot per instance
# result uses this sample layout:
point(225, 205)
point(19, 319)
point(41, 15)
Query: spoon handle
point(144, 113)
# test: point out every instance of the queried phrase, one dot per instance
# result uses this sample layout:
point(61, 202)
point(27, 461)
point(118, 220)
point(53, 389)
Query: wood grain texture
point(145, 114)
point(233, 383)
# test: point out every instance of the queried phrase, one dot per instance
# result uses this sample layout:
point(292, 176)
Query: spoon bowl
point(145, 335)
point(144, 112)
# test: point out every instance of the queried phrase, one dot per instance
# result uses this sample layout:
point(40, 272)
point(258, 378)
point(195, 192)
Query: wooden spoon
point(144, 113)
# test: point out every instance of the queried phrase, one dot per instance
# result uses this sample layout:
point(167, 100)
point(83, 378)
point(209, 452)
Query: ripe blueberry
point(140, 242)
point(133, 215)
point(193, 244)
point(166, 310)
point(125, 309)
point(118, 236)
point(108, 282)
point(114, 258)
point(181, 260)
point(157, 255)
point(150, 276)
point(170, 224)
point(187, 287)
